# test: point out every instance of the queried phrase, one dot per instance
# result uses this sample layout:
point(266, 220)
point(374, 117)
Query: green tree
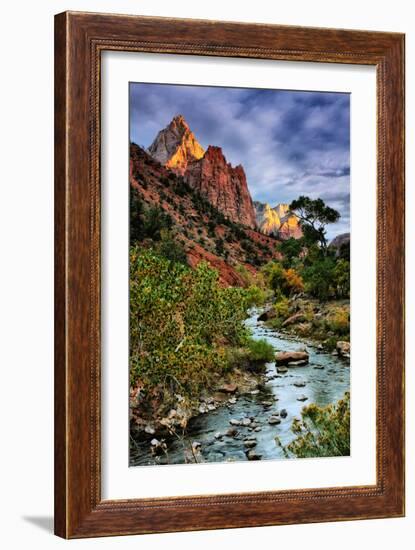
point(136, 213)
point(171, 248)
point(155, 220)
point(314, 216)
point(341, 276)
point(290, 249)
point(219, 246)
point(319, 278)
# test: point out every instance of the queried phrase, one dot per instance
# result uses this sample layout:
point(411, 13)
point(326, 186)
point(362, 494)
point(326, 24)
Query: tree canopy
point(314, 216)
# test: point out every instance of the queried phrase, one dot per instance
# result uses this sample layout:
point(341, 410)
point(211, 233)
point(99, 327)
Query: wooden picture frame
point(79, 40)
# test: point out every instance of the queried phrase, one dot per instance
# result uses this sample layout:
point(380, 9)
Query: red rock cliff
point(223, 185)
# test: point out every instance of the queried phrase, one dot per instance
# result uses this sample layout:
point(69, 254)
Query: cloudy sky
point(290, 143)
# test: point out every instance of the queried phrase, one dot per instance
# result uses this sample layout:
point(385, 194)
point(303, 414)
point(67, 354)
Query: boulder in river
point(267, 315)
point(234, 422)
point(287, 357)
point(282, 370)
point(283, 413)
point(274, 420)
point(300, 363)
point(299, 384)
point(246, 421)
point(302, 398)
point(249, 443)
point(253, 455)
point(343, 348)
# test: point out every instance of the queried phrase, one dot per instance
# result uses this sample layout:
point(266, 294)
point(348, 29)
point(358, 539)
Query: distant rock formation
point(340, 242)
point(277, 221)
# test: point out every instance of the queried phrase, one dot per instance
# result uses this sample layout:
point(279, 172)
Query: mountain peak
point(179, 121)
point(175, 146)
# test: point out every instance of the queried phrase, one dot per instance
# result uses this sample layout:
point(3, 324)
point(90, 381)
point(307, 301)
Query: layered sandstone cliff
point(224, 186)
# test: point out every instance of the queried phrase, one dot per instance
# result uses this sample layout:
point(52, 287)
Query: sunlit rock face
point(223, 185)
point(176, 145)
point(278, 221)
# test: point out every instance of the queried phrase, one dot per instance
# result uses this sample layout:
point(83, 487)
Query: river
point(324, 380)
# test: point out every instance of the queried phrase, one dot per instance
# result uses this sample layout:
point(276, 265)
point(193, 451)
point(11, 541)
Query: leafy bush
point(256, 296)
point(280, 280)
point(293, 281)
point(180, 321)
point(339, 322)
point(260, 350)
point(274, 275)
point(282, 307)
point(322, 431)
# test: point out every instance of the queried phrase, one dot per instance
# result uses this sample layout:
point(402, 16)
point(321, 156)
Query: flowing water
point(326, 378)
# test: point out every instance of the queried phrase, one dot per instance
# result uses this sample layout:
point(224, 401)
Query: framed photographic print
point(229, 277)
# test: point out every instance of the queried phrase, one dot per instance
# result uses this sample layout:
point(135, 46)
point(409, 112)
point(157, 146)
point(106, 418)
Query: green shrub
point(339, 322)
point(256, 296)
point(282, 307)
point(322, 431)
point(180, 322)
point(260, 351)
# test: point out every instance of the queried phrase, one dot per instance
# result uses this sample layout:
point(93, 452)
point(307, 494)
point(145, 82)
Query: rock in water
point(267, 315)
point(286, 357)
point(302, 398)
point(343, 348)
point(253, 455)
point(234, 422)
point(301, 363)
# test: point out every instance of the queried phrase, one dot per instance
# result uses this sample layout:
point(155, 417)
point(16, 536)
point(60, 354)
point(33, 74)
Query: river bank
point(242, 420)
